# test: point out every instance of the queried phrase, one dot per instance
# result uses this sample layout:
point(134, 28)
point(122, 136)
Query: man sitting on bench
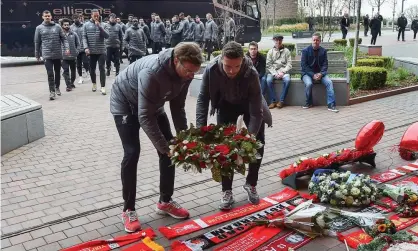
point(314, 65)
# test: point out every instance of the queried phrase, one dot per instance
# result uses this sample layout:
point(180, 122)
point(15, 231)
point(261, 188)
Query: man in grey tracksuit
point(152, 29)
point(82, 59)
point(229, 29)
point(48, 40)
point(147, 32)
point(137, 100)
point(159, 34)
point(184, 26)
point(69, 61)
point(211, 34)
point(191, 29)
point(94, 35)
point(233, 91)
point(113, 44)
point(135, 40)
point(199, 32)
point(118, 21)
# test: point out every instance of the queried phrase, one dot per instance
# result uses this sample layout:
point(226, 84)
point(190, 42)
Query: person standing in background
point(159, 34)
point(147, 32)
point(69, 60)
point(374, 28)
point(49, 37)
point(118, 21)
point(94, 36)
point(135, 39)
point(191, 29)
point(402, 23)
point(199, 32)
point(152, 28)
point(211, 35)
point(167, 37)
point(113, 44)
point(229, 29)
point(366, 23)
point(345, 24)
point(82, 58)
point(176, 31)
point(414, 27)
point(381, 23)
point(184, 26)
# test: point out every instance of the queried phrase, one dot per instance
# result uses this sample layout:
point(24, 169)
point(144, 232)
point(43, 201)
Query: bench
point(302, 34)
point(21, 122)
point(296, 93)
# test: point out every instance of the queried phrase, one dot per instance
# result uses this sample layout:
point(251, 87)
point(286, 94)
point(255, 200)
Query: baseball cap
point(277, 37)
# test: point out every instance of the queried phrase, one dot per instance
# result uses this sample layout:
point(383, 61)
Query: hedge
point(371, 62)
point(367, 78)
point(388, 61)
point(288, 28)
point(352, 41)
point(341, 42)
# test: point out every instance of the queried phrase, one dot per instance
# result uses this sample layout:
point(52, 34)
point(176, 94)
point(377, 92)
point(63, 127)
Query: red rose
point(191, 145)
point(206, 128)
point(195, 157)
point(239, 137)
point(202, 164)
point(221, 159)
point(229, 130)
point(206, 147)
point(224, 149)
point(234, 156)
point(180, 157)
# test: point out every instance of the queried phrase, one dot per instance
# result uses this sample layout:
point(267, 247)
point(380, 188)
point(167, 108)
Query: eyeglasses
point(187, 70)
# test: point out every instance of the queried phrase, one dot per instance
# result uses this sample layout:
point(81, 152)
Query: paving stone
point(41, 232)
point(19, 247)
point(34, 243)
point(89, 236)
point(69, 242)
point(59, 227)
point(108, 230)
point(55, 237)
point(50, 247)
point(93, 226)
point(74, 231)
point(5, 243)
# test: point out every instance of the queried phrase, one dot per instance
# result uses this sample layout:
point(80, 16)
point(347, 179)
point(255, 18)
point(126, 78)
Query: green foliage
point(216, 53)
point(371, 62)
point(402, 73)
point(288, 28)
point(341, 42)
point(388, 61)
point(367, 78)
point(352, 41)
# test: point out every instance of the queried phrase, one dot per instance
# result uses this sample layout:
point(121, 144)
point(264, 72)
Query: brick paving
point(64, 189)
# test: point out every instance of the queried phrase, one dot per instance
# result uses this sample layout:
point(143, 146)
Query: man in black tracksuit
point(231, 85)
point(48, 40)
point(414, 27)
point(69, 61)
point(113, 44)
point(366, 22)
point(94, 36)
point(176, 31)
point(345, 24)
point(402, 22)
point(82, 58)
point(380, 18)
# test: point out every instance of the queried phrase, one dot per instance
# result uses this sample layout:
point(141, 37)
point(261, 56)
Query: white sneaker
point(80, 81)
point(94, 88)
point(103, 90)
point(114, 69)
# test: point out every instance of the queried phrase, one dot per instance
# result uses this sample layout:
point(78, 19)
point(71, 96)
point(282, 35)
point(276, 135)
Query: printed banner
point(290, 240)
point(146, 245)
point(106, 245)
point(191, 226)
point(251, 239)
point(355, 239)
point(386, 176)
point(402, 223)
point(228, 231)
point(414, 230)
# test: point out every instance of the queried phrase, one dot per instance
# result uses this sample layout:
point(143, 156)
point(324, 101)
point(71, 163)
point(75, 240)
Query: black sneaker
point(73, 86)
point(57, 91)
point(68, 89)
point(253, 197)
point(227, 200)
point(116, 74)
point(307, 106)
point(332, 108)
point(108, 72)
point(51, 95)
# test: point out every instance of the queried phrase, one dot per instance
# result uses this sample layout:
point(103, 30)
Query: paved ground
point(64, 189)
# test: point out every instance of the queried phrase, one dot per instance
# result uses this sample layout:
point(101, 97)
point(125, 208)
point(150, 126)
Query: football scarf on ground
point(146, 245)
point(291, 240)
point(106, 245)
point(228, 231)
point(356, 238)
point(191, 226)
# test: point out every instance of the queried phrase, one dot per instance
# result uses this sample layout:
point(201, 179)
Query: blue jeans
point(270, 85)
point(263, 84)
point(325, 80)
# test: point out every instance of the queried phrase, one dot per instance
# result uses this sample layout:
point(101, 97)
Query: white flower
point(345, 192)
point(329, 191)
point(335, 176)
point(321, 221)
point(171, 152)
point(176, 154)
point(355, 191)
point(322, 178)
point(248, 136)
point(184, 147)
point(373, 198)
point(366, 189)
point(172, 147)
point(357, 183)
point(185, 142)
point(324, 198)
point(339, 194)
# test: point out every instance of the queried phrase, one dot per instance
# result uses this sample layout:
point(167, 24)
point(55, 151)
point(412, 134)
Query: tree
point(330, 11)
point(377, 3)
point(411, 12)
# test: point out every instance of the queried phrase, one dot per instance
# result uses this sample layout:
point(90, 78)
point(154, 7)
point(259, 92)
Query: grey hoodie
point(159, 32)
point(211, 31)
point(74, 45)
point(94, 37)
point(48, 40)
point(115, 35)
point(190, 31)
point(243, 89)
point(199, 31)
point(143, 88)
point(184, 27)
point(135, 40)
point(79, 30)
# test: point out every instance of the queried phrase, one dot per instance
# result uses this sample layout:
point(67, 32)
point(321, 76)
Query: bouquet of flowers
point(382, 226)
point(339, 157)
point(360, 219)
point(224, 149)
point(404, 194)
point(342, 188)
point(391, 242)
point(307, 218)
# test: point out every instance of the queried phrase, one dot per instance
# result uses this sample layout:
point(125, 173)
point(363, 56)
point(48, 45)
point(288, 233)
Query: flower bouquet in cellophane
point(223, 149)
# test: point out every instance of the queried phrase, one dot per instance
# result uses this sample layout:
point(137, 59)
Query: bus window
point(252, 9)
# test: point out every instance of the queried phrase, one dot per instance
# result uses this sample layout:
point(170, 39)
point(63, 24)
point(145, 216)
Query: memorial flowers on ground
point(223, 149)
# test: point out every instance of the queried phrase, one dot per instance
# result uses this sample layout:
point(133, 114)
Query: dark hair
point(75, 16)
point(197, 16)
point(130, 15)
point(46, 12)
point(94, 10)
point(232, 50)
point(65, 20)
point(153, 14)
point(176, 16)
point(317, 35)
point(181, 14)
point(189, 52)
point(253, 43)
point(112, 15)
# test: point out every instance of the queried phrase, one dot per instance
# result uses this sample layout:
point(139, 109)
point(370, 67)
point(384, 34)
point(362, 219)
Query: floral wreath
point(224, 149)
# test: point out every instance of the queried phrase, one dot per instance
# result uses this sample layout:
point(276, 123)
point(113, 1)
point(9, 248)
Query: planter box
point(372, 50)
point(302, 34)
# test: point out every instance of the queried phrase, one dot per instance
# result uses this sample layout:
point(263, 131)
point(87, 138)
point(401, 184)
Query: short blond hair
point(189, 52)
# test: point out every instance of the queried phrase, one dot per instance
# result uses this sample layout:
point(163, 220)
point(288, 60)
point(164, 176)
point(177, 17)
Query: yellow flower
point(381, 228)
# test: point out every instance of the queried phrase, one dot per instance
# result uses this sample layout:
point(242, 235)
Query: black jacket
point(414, 25)
point(345, 22)
point(175, 32)
point(260, 63)
point(366, 21)
point(375, 25)
point(402, 22)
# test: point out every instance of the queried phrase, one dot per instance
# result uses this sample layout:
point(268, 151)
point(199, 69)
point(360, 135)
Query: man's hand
point(169, 154)
point(67, 52)
point(87, 51)
point(279, 75)
point(97, 22)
